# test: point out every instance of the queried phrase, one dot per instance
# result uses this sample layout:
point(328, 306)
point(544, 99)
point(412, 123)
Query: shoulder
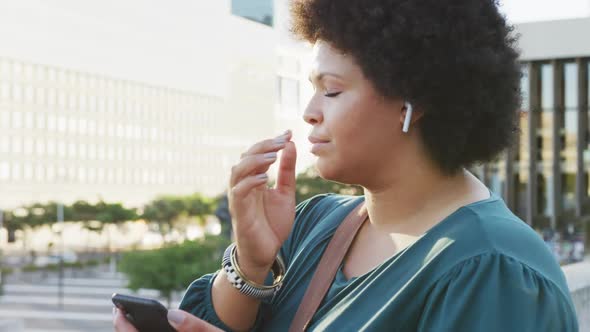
point(490, 229)
point(494, 292)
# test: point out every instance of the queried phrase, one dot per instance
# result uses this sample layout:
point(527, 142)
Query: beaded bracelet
point(246, 286)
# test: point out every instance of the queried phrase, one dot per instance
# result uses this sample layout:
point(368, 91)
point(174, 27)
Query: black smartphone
point(147, 315)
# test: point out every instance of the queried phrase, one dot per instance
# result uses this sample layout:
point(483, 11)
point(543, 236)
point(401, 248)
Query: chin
point(330, 171)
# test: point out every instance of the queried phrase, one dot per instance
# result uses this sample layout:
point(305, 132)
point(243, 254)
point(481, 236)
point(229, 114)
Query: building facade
point(117, 131)
point(544, 177)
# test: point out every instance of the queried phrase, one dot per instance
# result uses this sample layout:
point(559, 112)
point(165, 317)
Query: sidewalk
point(578, 280)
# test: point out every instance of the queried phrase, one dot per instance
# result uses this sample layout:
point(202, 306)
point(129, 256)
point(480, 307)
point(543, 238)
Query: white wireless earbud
point(408, 118)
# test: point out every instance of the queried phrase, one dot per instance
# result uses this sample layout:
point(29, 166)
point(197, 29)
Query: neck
point(416, 201)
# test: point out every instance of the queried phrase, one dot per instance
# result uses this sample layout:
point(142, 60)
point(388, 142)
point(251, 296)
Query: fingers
point(286, 177)
point(252, 165)
point(182, 321)
point(269, 145)
point(120, 323)
point(247, 184)
point(258, 158)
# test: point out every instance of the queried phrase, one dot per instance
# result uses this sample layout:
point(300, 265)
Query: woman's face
point(356, 132)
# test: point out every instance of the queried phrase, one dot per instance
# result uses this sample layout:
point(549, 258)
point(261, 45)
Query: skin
point(358, 140)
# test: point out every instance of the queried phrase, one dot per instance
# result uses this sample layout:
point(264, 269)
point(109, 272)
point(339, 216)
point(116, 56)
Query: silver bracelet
point(245, 285)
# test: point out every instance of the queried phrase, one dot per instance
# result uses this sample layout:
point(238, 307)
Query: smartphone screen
point(147, 315)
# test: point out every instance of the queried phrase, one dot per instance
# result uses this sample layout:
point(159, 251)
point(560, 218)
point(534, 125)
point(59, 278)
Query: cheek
point(365, 119)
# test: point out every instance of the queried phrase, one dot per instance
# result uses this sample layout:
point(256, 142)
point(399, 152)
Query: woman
point(408, 94)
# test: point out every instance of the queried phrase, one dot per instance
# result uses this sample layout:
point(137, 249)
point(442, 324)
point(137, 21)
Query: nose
point(313, 114)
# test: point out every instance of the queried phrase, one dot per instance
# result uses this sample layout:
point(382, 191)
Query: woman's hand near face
point(262, 217)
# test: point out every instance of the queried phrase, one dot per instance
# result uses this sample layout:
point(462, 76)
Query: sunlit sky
point(540, 10)
point(157, 41)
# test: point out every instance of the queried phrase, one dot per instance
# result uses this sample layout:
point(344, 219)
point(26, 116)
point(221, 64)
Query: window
point(92, 151)
point(40, 98)
point(82, 151)
point(5, 69)
point(4, 144)
point(73, 125)
point(61, 99)
point(62, 124)
point(72, 150)
point(92, 128)
point(27, 171)
point(256, 10)
point(29, 94)
point(51, 97)
point(4, 119)
point(28, 146)
point(28, 71)
point(4, 170)
point(17, 92)
point(40, 121)
point(545, 135)
point(17, 69)
point(51, 147)
point(547, 87)
point(5, 90)
point(61, 148)
point(40, 147)
point(101, 175)
point(83, 127)
point(29, 120)
point(16, 146)
point(17, 120)
point(81, 174)
point(50, 173)
point(51, 122)
point(92, 175)
point(39, 173)
point(16, 171)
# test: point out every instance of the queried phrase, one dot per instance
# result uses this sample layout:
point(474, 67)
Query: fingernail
point(280, 140)
point(270, 155)
point(262, 176)
point(175, 317)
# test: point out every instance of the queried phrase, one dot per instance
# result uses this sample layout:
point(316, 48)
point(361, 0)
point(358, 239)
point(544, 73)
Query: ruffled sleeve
point(494, 292)
point(197, 300)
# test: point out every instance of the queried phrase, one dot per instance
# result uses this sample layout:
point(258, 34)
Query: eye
point(332, 94)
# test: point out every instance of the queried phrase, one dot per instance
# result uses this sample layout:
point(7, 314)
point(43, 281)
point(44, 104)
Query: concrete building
point(163, 103)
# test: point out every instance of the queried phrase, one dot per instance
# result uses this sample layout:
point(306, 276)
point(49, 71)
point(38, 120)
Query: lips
point(318, 144)
point(317, 140)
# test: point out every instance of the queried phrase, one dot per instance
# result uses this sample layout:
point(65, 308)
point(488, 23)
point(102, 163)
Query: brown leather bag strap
point(326, 270)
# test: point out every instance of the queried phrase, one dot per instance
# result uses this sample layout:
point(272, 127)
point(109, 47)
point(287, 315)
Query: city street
point(87, 302)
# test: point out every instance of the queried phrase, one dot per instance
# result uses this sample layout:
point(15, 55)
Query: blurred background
point(120, 121)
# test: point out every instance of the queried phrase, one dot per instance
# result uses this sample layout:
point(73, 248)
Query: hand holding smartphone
point(147, 315)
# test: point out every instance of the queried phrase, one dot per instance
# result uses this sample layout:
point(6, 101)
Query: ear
point(416, 115)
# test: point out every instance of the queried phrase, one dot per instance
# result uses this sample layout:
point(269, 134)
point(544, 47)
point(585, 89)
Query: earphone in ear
point(408, 118)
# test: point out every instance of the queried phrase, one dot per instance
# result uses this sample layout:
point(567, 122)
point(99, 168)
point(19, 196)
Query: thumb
point(182, 321)
point(286, 177)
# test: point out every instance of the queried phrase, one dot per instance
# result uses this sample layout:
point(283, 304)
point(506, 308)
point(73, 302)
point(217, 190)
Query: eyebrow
point(321, 75)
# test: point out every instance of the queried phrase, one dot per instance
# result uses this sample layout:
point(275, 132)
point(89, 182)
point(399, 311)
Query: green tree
point(164, 211)
point(309, 184)
point(173, 267)
point(198, 206)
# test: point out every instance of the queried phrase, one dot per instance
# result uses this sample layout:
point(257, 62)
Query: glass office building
point(544, 177)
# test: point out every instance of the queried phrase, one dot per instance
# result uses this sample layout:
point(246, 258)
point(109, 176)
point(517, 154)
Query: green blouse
point(480, 269)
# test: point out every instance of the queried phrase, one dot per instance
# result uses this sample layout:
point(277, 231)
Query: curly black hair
point(455, 60)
